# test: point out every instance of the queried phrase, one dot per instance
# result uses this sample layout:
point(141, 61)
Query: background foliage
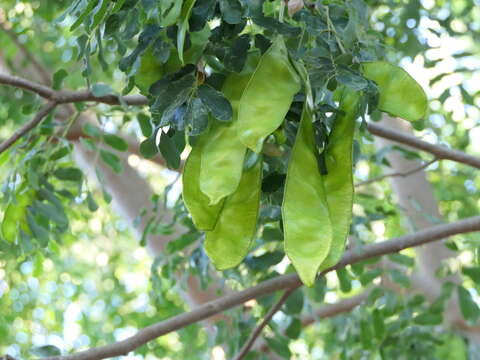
point(82, 280)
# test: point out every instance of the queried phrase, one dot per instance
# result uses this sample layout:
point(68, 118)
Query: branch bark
point(37, 119)
point(440, 152)
point(211, 308)
point(258, 330)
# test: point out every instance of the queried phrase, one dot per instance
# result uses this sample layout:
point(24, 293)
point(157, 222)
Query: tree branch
point(258, 330)
point(44, 111)
point(41, 70)
point(66, 96)
point(440, 152)
point(395, 174)
point(211, 308)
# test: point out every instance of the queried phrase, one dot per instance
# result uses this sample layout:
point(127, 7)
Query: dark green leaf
point(273, 24)
point(263, 262)
point(91, 203)
point(293, 330)
point(231, 11)
point(294, 303)
point(68, 174)
point(428, 318)
point(196, 117)
point(473, 273)
point(169, 150)
point(148, 147)
point(216, 102)
point(236, 57)
point(145, 124)
point(402, 259)
point(344, 280)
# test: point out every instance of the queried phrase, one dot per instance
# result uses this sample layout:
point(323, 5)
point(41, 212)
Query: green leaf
point(399, 277)
point(112, 160)
point(58, 78)
point(231, 11)
point(469, 308)
point(92, 130)
point(68, 174)
point(100, 13)
point(196, 117)
point(473, 273)
point(344, 280)
point(216, 102)
point(294, 303)
point(148, 147)
point(263, 262)
point(88, 9)
point(294, 329)
point(428, 319)
point(402, 259)
point(378, 324)
point(279, 344)
point(91, 203)
point(115, 142)
point(145, 124)
point(169, 12)
point(169, 150)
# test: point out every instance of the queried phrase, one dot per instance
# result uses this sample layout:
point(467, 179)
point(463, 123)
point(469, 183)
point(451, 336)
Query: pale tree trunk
point(417, 201)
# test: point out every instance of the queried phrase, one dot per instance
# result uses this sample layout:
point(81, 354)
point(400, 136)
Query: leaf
point(351, 79)
point(169, 12)
point(88, 9)
point(275, 25)
point(216, 102)
point(115, 142)
point(45, 351)
point(468, 307)
point(428, 319)
point(473, 273)
point(169, 150)
point(183, 28)
point(279, 344)
point(294, 303)
point(231, 11)
point(100, 13)
point(145, 124)
point(399, 277)
point(58, 78)
point(91, 203)
point(68, 174)
point(402, 259)
point(196, 117)
point(263, 262)
point(148, 147)
point(99, 90)
point(237, 56)
point(294, 329)
point(112, 160)
point(378, 324)
point(344, 280)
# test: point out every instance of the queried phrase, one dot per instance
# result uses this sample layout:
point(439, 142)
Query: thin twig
point(229, 301)
point(44, 111)
point(396, 174)
point(440, 152)
point(258, 330)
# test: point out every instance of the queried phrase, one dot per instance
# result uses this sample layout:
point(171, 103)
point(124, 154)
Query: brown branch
point(42, 71)
point(44, 111)
point(258, 330)
point(397, 174)
point(330, 310)
point(211, 308)
point(18, 82)
point(440, 152)
point(67, 97)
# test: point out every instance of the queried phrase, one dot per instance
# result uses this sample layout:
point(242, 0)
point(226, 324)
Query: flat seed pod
point(223, 154)
point(306, 220)
point(339, 180)
point(229, 242)
point(400, 94)
point(203, 214)
point(267, 97)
